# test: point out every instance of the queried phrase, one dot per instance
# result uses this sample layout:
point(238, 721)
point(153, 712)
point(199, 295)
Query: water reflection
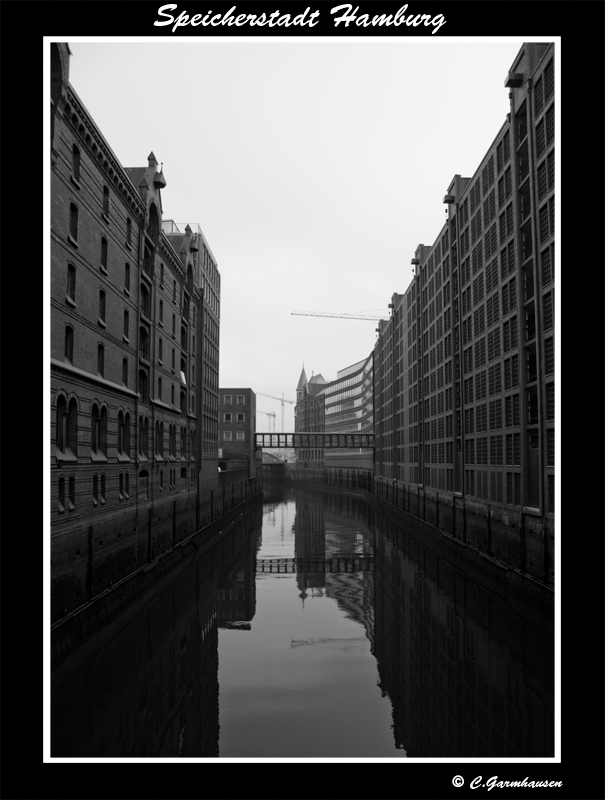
point(411, 656)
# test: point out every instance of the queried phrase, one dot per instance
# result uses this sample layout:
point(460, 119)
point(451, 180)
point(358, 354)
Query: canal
point(315, 628)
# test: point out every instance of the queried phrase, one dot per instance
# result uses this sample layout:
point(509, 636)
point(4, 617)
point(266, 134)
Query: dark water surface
point(404, 656)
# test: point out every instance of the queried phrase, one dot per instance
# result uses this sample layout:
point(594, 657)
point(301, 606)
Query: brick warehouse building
point(237, 429)
point(135, 305)
point(309, 416)
point(464, 368)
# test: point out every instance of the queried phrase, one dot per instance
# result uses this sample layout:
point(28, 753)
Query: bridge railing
point(323, 441)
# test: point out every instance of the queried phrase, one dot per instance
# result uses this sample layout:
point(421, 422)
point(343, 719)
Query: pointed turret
point(302, 381)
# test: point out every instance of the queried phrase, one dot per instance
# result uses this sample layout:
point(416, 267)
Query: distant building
point(309, 416)
point(349, 408)
point(237, 429)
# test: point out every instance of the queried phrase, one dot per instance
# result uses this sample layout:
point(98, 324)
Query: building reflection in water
point(466, 662)
point(147, 685)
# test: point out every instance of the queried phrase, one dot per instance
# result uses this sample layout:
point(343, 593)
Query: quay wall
point(510, 537)
point(117, 558)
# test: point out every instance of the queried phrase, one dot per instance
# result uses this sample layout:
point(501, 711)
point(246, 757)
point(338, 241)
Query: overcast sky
point(314, 168)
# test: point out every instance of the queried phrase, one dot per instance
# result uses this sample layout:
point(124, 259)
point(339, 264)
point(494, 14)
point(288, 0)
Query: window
point(75, 163)
point(162, 275)
point(173, 361)
point(172, 394)
point(227, 436)
point(174, 291)
point(173, 326)
point(126, 326)
point(228, 399)
point(127, 278)
point(159, 351)
point(127, 485)
point(124, 433)
point(103, 254)
point(102, 306)
point(106, 202)
point(71, 282)
point(66, 426)
point(121, 486)
point(240, 399)
point(101, 360)
point(240, 436)
point(69, 344)
point(72, 494)
point(102, 489)
point(143, 343)
point(125, 371)
point(228, 417)
point(143, 386)
point(98, 441)
point(73, 221)
point(159, 388)
point(143, 485)
point(61, 494)
point(161, 312)
point(145, 302)
point(128, 231)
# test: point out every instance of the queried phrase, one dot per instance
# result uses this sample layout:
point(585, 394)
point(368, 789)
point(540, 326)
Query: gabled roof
point(302, 381)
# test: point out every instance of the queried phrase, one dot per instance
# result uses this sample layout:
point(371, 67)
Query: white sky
point(314, 168)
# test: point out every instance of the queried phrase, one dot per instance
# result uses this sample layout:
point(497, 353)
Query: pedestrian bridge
point(323, 441)
point(316, 564)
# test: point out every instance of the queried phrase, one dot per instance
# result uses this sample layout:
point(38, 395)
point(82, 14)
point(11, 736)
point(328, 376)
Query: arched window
point(61, 494)
point(126, 325)
point(102, 305)
point(183, 403)
point(161, 480)
point(127, 277)
point(72, 493)
point(101, 360)
point(127, 434)
point(127, 485)
point(147, 261)
point(183, 339)
point(143, 485)
point(159, 388)
point(95, 490)
point(128, 230)
point(121, 486)
point(143, 343)
point(105, 201)
point(153, 228)
point(145, 301)
point(75, 162)
point(103, 253)
point(69, 344)
point(125, 371)
point(160, 351)
point(143, 386)
point(66, 426)
point(158, 444)
point(120, 431)
point(73, 221)
point(95, 428)
point(172, 394)
point(161, 312)
point(103, 488)
point(71, 282)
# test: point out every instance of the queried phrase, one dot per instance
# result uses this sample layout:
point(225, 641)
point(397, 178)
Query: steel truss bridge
point(316, 564)
point(325, 441)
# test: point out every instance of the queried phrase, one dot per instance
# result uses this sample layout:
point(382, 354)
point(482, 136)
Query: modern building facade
point(349, 408)
point(135, 307)
point(237, 429)
point(464, 368)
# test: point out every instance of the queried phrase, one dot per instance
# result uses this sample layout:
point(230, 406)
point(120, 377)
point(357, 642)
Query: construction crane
point(282, 400)
point(342, 316)
point(269, 414)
